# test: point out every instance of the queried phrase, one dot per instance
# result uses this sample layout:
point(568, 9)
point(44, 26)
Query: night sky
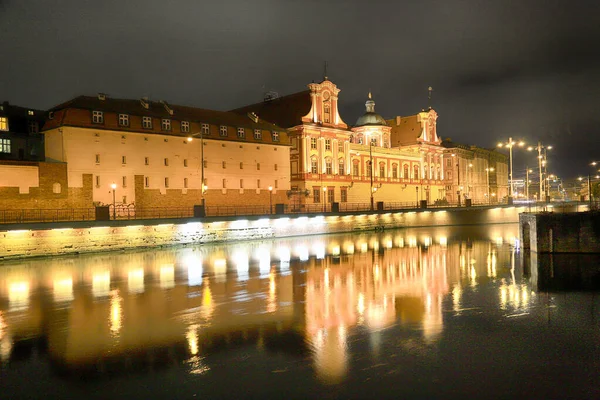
point(528, 69)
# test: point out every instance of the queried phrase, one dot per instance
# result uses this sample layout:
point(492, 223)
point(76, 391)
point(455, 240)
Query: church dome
point(370, 117)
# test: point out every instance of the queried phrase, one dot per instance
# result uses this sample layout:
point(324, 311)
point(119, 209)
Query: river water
point(411, 313)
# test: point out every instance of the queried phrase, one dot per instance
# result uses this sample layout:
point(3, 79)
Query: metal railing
point(133, 213)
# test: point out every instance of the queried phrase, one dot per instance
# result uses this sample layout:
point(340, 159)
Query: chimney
point(398, 118)
point(102, 96)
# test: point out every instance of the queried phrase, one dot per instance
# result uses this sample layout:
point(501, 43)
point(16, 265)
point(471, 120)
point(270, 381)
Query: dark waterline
point(415, 313)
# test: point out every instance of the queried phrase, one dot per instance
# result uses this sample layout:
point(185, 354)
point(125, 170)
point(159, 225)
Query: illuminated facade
point(152, 153)
point(376, 160)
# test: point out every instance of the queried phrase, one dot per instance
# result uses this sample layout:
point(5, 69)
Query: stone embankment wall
point(34, 240)
point(560, 233)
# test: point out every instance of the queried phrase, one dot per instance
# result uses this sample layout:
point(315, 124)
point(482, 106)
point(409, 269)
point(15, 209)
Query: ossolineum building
point(157, 154)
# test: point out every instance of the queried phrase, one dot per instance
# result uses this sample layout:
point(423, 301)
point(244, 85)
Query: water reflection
point(293, 295)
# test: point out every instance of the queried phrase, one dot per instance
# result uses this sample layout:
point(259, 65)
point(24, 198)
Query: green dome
point(370, 117)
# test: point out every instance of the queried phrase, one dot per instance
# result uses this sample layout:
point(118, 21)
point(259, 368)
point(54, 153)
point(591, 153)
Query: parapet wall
point(32, 240)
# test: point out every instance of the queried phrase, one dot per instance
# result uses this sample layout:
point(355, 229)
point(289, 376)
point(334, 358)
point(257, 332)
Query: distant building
point(152, 152)
point(20, 139)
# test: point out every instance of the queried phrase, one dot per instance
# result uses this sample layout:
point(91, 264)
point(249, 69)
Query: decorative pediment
point(324, 107)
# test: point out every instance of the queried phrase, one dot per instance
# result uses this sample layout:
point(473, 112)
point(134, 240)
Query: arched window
point(326, 112)
point(355, 168)
point(341, 170)
point(382, 170)
point(416, 174)
point(328, 167)
point(369, 168)
point(395, 171)
point(405, 173)
point(56, 188)
point(360, 139)
point(431, 172)
point(313, 165)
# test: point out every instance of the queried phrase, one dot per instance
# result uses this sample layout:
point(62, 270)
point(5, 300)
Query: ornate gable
point(324, 107)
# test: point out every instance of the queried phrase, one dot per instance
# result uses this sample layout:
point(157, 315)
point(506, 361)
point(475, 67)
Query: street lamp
point(114, 188)
point(541, 163)
point(202, 185)
point(270, 199)
point(510, 145)
point(488, 170)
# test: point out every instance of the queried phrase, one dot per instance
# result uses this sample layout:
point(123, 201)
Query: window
point(123, 159)
point(382, 171)
point(185, 126)
point(327, 144)
point(185, 164)
point(360, 140)
point(330, 195)
point(165, 124)
point(123, 119)
point(147, 122)
point(5, 146)
point(328, 167)
point(355, 170)
point(241, 133)
point(124, 181)
point(97, 117)
point(373, 141)
point(97, 158)
point(241, 165)
point(241, 183)
point(416, 172)
point(147, 182)
point(33, 127)
point(394, 171)
point(340, 147)
point(56, 188)
point(166, 162)
point(166, 182)
point(3, 123)
point(224, 183)
point(275, 167)
point(313, 143)
point(257, 134)
point(449, 162)
point(341, 170)
point(185, 183)
point(205, 129)
point(316, 195)
point(405, 176)
point(205, 163)
point(224, 164)
point(313, 166)
point(146, 160)
point(369, 169)
point(97, 181)
point(344, 195)
point(222, 130)
point(326, 112)
point(30, 112)
point(258, 166)
point(258, 183)
point(275, 136)
point(276, 184)
point(124, 199)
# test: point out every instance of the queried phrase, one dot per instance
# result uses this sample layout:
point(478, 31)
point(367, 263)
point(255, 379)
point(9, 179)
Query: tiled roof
point(158, 110)
point(286, 111)
point(10, 110)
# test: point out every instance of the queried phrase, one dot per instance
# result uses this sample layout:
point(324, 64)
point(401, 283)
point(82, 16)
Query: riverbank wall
point(61, 238)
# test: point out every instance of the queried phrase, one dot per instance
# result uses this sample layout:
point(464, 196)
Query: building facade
point(20, 139)
point(152, 154)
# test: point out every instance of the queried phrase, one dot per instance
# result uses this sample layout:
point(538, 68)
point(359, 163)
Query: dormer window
point(147, 122)
point(275, 136)
point(166, 124)
point(257, 134)
point(185, 126)
point(123, 119)
point(241, 133)
point(97, 117)
point(30, 112)
point(222, 130)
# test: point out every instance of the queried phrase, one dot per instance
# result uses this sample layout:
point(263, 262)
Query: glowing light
point(192, 339)
point(443, 241)
point(364, 247)
point(263, 223)
point(18, 296)
point(302, 252)
point(194, 267)
point(360, 307)
point(116, 313)
point(63, 290)
point(135, 281)
point(264, 261)
point(239, 224)
point(302, 221)
point(319, 250)
point(101, 284)
point(220, 268)
point(240, 258)
point(167, 276)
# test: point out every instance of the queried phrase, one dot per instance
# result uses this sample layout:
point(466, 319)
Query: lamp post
point(488, 170)
point(114, 188)
point(371, 170)
point(541, 163)
point(270, 199)
point(527, 172)
point(457, 178)
point(202, 186)
point(510, 145)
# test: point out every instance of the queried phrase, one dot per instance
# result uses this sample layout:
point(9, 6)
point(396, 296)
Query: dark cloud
point(499, 69)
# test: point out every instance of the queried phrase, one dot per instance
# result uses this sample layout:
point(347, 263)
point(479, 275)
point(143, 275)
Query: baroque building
point(153, 154)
